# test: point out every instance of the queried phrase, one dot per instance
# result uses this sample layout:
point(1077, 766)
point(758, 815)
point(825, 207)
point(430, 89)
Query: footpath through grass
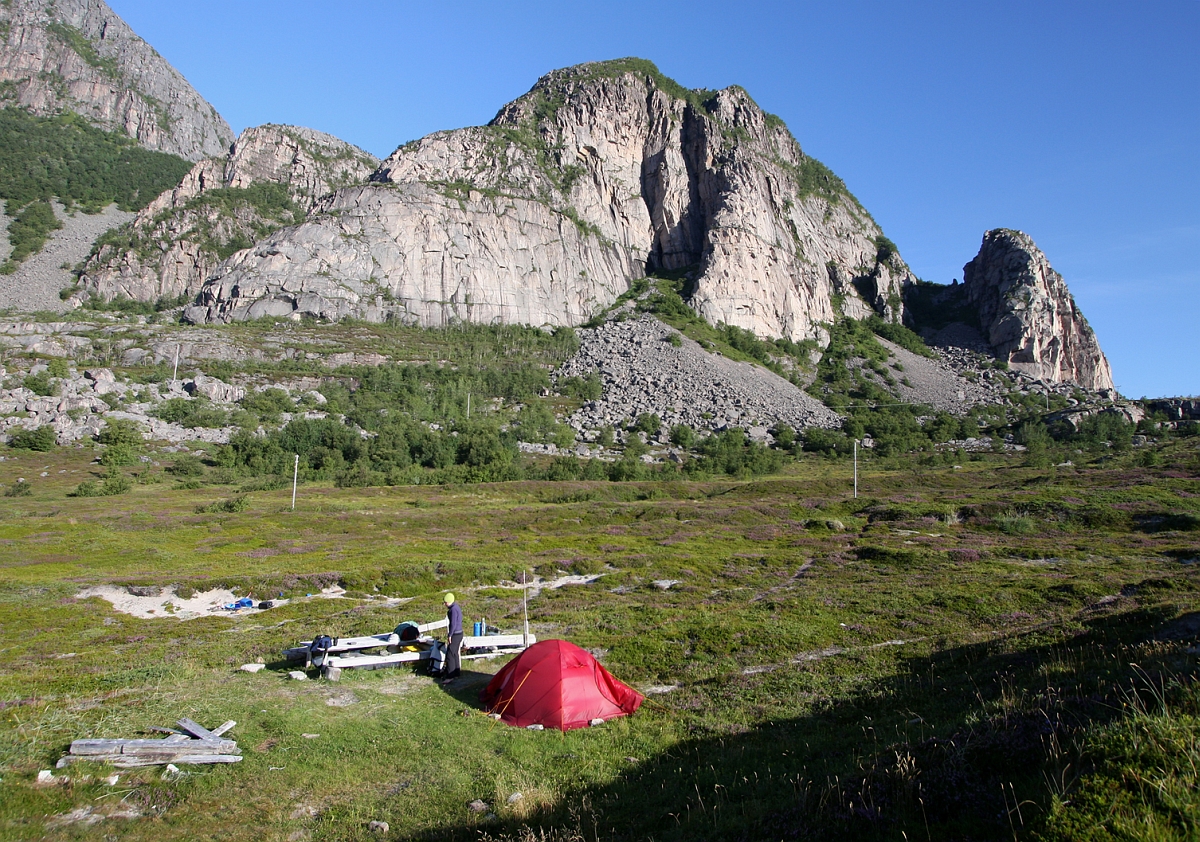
point(984, 652)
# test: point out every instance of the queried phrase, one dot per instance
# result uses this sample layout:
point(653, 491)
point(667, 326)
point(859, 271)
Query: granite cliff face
point(78, 55)
point(1028, 316)
point(599, 174)
point(271, 177)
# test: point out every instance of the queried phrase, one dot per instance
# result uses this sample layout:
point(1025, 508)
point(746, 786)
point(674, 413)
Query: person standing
point(454, 639)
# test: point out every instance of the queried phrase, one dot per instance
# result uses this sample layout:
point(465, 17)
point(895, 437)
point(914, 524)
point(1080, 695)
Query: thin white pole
point(175, 373)
point(856, 469)
point(525, 605)
point(295, 477)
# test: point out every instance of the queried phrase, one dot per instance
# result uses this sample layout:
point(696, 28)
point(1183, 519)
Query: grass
point(904, 662)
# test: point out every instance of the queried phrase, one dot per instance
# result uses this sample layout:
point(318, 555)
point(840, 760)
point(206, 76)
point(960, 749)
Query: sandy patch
point(169, 604)
point(537, 584)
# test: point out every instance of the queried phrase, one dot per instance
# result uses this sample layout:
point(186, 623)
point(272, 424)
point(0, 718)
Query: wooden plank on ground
point(195, 729)
point(225, 726)
point(440, 624)
point(82, 747)
point(171, 745)
point(122, 761)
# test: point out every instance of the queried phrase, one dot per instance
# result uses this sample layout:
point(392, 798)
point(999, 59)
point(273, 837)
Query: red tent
point(558, 685)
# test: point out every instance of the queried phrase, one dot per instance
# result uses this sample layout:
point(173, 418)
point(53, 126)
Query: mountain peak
point(79, 56)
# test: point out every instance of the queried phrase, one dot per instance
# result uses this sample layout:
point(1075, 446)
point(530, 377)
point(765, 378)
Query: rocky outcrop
point(78, 55)
point(599, 174)
point(178, 240)
point(1028, 316)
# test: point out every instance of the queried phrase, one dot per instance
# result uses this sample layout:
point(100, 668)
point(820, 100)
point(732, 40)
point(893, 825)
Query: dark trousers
point(453, 655)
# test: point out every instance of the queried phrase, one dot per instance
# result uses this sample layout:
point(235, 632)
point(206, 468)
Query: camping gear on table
point(556, 684)
point(355, 652)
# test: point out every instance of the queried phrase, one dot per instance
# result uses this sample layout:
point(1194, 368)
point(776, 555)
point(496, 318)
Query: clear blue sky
point(1076, 122)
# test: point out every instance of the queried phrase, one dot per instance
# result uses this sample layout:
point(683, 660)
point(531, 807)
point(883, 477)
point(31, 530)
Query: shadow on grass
point(466, 687)
point(969, 743)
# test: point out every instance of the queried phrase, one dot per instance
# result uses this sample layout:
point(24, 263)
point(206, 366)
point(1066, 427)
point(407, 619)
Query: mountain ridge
point(80, 56)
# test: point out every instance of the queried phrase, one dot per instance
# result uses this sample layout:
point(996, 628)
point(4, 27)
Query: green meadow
point(975, 651)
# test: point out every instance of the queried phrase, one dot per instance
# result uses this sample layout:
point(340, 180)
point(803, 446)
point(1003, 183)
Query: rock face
point(77, 55)
point(1028, 316)
point(599, 174)
point(179, 239)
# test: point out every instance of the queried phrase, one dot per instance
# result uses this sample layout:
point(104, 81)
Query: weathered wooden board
point(374, 661)
point(123, 761)
point(196, 729)
point(168, 746)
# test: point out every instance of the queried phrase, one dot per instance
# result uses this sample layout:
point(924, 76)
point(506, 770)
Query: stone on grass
point(379, 827)
point(252, 667)
point(298, 675)
point(514, 798)
point(478, 806)
point(45, 777)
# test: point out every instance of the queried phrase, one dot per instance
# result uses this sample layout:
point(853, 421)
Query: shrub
point(41, 439)
point(588, 388)
point(1016, 525)
point(118, 455)
point(196, 412)
point(114, 483)
point(648, 423)
point(120, 431)
point(40, 384)
point(605, 439)
point(186, 466)
point(18, 489)
point(233, 504)
point(268, 404)
point(58, 367)
point(784, 435)
point(682, 435)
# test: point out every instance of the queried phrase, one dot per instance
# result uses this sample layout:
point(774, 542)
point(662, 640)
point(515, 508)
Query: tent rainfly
point(556, 684)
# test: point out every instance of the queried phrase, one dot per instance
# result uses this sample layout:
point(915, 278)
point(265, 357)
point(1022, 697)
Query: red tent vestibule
point(556, 684)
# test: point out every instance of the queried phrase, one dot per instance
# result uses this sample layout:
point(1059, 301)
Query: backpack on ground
point(318, 650)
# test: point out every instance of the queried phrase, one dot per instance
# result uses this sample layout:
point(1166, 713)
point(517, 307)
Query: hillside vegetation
point(85, 168)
